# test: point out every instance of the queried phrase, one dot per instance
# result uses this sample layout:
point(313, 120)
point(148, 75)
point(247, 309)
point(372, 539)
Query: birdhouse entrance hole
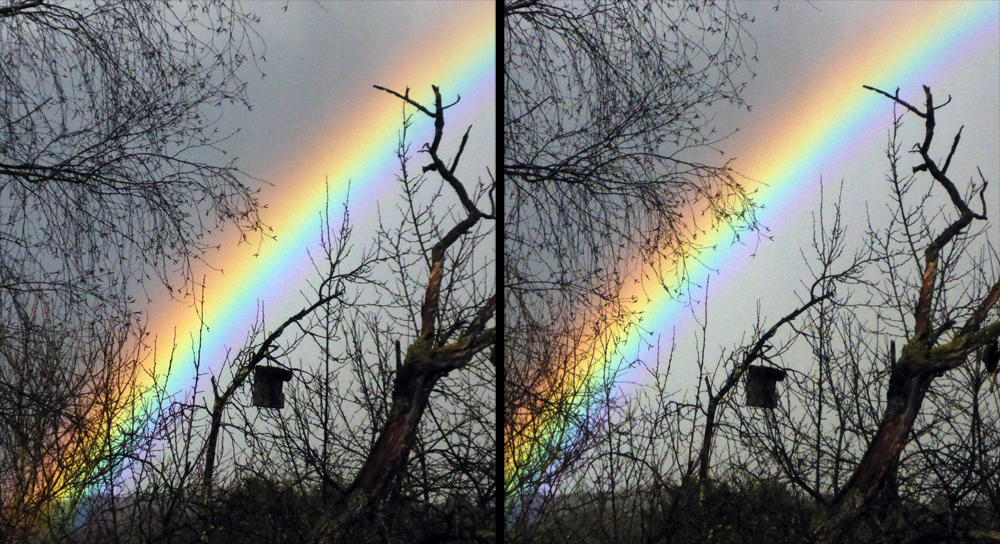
point(761, 390)
point(267, 382)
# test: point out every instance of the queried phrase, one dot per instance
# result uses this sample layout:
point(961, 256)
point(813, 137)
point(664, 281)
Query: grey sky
point(322, 59)
point(796, 45)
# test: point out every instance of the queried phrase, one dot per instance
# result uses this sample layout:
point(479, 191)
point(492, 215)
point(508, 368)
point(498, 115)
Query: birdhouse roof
point(272, 373)
point(766, 373)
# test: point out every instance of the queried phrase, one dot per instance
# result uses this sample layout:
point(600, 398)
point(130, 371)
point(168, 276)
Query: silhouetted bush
point(764, 511)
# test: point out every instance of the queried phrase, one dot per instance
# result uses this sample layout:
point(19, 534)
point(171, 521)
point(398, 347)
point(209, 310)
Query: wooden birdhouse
point(267, 382)
point(761, 390)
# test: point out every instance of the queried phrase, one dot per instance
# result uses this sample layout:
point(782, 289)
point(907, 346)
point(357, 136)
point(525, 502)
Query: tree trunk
point(389, 455)
point(921, 359)
point(424, 363)
point(387, 460)
point(870, 485)
point(908, 384)
point(705, 455)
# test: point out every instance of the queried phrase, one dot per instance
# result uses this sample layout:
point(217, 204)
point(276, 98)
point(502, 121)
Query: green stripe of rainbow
point(461, 60)
point(820, 128)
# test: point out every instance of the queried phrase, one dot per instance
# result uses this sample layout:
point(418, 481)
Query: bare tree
point(366, 405)
point(432, 354)
point(881, 434)
point(72, 413)
point(263, 347)
point(810, 440)
point(893, 406)
point(943, 333)
point(106, 172)
point(110, 174)
point(608, 139)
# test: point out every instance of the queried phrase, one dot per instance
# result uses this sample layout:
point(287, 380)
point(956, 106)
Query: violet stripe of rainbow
point(459, 61)
point(821, 128)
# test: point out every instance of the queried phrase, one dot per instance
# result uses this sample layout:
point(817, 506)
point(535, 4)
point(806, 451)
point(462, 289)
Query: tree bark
point(411, 392)
point(921, 359)
point(908, 384)
point(424, 363)
point(388, 457)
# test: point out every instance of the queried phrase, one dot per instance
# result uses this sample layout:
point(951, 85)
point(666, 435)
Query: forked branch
point(923, 312)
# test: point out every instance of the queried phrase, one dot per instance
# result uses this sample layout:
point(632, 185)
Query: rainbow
point(460, 60)
point(361, 154)
point(819, 128)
